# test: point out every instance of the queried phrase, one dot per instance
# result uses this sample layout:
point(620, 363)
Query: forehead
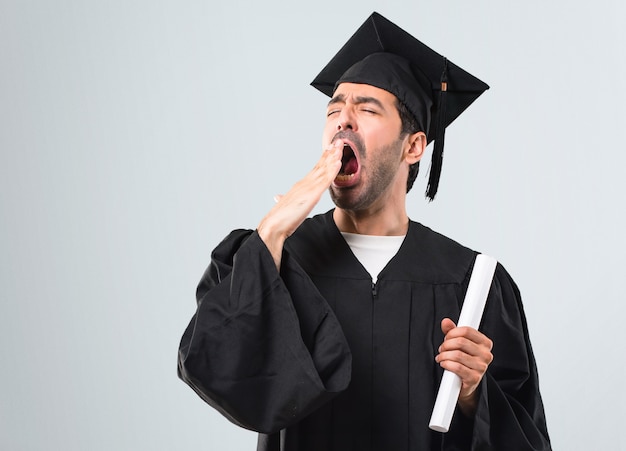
point(358, 90)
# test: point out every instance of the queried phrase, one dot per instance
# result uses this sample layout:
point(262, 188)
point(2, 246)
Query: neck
point(385, 216)
point(381, 222)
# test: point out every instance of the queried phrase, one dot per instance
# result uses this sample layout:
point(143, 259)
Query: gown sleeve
point(510, 414)
point(263, 348)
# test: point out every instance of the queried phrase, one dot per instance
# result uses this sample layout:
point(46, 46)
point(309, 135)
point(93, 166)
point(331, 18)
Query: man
point(331, 333)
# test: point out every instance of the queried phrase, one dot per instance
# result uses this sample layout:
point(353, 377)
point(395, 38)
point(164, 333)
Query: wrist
point(273, 240)
point(468, 404)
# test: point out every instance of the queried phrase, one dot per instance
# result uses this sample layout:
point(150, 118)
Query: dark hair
point(409, 126)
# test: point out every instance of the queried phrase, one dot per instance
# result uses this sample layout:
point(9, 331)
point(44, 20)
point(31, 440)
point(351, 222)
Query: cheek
point(375, 140)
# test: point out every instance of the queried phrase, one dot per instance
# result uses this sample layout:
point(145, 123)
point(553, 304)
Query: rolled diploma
point(471, 313)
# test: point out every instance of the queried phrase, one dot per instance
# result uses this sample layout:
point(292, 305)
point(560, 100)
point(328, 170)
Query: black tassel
point(437, 157)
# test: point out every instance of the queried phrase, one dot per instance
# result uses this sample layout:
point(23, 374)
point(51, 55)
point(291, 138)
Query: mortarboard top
point(434, 90)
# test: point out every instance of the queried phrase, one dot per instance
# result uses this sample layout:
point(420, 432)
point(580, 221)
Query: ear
point(415, 146)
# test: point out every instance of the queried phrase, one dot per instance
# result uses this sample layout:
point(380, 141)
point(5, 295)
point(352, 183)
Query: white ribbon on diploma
point(471, 314)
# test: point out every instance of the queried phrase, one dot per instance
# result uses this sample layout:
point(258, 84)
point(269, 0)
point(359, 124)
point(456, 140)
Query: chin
point(346, 199)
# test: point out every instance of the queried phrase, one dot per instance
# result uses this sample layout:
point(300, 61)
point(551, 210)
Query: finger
point(466, 346)
point(470, 334)
point(447, 325)
point(470, 377)
point(333, 150)
point(478, 360)
point(337, 144)
point(336, 153)
point(329, 164)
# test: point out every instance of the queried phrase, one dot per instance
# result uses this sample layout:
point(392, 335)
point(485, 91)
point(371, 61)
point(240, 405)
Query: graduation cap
point(433, 89)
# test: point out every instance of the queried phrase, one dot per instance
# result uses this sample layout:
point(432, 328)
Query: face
point(366, 119)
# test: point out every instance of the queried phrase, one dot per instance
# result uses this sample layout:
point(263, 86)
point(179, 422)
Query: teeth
point(344, 177)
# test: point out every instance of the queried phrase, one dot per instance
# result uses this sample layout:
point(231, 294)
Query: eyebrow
point(359, 100)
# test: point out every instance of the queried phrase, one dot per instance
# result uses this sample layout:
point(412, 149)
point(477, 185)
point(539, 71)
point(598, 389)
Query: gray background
point(135, 134)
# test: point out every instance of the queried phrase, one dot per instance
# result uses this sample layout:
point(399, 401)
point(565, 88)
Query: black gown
point(317, 358)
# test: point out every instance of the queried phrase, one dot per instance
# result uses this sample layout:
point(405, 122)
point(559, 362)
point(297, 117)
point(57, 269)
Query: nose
point(346, 120)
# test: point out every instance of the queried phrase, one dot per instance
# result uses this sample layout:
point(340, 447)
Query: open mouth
point(349, 165)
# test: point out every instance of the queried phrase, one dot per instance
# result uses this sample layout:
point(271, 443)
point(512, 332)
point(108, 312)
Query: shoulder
point(314, 232)
point(434, 257)
point(435, 242)
point(320, 223)
point(318, 245)
point(440, 254)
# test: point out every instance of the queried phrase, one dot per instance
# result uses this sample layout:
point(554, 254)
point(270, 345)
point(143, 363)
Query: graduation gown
point(319, 358)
